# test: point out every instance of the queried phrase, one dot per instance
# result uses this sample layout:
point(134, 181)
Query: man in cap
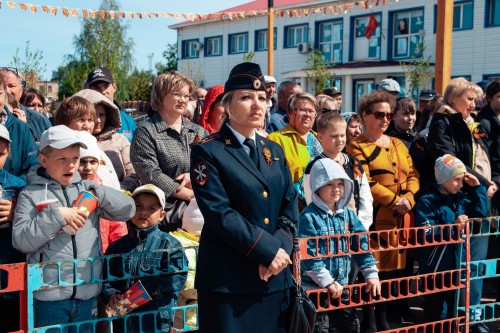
point(425, 98)
point(270, 86)
point(101, 80)
point(37, 122)
point(334, 93)
point(390, 85)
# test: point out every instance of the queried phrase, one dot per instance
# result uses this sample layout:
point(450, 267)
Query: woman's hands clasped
point(279, 263)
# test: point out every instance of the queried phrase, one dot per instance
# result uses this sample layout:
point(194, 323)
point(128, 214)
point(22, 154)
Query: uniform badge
point(256, 84)
point(201, 173)
point(267, 155)
point(197, 139)
point(228, 142)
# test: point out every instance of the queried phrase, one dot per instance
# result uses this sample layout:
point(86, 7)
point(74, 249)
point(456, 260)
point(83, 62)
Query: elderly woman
point(161, 146)
point(393, 180)
point(453, 131)
point(212, 114)
point(243, 276)
point(297, 139)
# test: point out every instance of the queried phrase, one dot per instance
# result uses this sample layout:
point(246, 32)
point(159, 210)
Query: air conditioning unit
point(198, 46)
point(304, 48)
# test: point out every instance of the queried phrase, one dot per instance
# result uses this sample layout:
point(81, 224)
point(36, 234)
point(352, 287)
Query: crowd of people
point(226, 170)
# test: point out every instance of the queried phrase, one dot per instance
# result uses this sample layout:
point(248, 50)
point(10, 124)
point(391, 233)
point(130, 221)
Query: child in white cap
point(445, 203)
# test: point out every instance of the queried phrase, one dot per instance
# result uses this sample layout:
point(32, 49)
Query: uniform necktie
point(253, 151)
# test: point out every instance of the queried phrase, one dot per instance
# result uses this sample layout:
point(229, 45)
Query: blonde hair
point(165, 83)
point(457, 87)
point(301, 96)
point(326, 102)
point(330, 120)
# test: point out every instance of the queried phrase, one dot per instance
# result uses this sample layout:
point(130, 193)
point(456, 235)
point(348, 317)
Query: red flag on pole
point(371, 26)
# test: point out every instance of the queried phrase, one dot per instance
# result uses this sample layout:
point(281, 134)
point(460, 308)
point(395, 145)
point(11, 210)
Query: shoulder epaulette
point(209, 138)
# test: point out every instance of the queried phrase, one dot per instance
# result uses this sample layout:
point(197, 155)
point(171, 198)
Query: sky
point(53, 35)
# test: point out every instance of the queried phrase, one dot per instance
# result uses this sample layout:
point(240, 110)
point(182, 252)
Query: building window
point(492, 13)
point(364, 48)
point(294, 35)
point(407, 33)
point(238, 43)
point(190, 49)
point(261, 40)
point(330, 40)
point(463, 15)
point(213, 46)
point(50, 89)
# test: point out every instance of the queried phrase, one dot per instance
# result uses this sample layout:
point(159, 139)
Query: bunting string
point(338, 9)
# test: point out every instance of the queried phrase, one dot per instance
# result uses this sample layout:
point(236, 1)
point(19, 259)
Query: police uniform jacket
point(241, 205)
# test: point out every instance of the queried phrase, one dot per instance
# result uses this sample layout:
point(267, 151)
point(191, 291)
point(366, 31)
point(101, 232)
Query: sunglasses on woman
point(379, 115)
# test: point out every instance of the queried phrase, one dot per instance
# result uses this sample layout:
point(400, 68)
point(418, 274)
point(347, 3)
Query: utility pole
point(270, 37)
point(444, 33)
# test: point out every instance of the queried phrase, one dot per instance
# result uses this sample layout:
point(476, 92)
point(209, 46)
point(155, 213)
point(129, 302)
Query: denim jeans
point(64, 312)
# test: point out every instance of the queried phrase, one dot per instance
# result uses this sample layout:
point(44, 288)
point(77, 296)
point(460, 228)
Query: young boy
point(145, 236)
point(328, 214)
point(332, 129)
point(444, 203)
point(39, 229)
point(10, 187)
point(88, 169)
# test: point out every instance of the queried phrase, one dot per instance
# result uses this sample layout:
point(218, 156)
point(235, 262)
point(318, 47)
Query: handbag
point(173, 219)
point(302, 312)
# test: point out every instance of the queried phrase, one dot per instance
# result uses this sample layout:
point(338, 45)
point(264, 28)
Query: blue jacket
point(128, 125)
point(23, 148)
point(278, 120)
point(13, 185)
point(314, 221)
point(164, 289)
point(37, 122)
point(435, 208)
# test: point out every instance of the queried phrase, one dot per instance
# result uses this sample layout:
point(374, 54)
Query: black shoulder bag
point(302, 315)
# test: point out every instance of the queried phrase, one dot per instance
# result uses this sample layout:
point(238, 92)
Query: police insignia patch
point(201, 173)
point(256, 84)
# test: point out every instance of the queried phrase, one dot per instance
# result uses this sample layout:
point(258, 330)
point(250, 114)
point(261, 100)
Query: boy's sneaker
point(479, 328)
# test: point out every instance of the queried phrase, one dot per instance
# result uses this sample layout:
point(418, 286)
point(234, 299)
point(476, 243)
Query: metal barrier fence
point(28, 279)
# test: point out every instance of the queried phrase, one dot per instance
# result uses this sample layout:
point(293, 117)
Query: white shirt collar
point(240, 137)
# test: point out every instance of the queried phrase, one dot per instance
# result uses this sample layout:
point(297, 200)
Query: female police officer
point(242, 185)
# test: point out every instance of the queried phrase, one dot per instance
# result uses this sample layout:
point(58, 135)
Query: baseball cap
point(60, 137)
point(269, 79)
point(390, 85)
point(427, 94)
point(99, 74)
point(332, 91)
point(92, 149)
point(150, 188)
point(4, 133)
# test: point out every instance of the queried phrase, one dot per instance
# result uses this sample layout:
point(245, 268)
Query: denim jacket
point(163, 289)
point(315, 221)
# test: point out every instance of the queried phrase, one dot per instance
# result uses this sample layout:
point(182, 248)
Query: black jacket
point(449, 134)
point(241, 205)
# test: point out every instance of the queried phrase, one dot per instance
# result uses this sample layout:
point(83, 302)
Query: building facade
point(49, 89)
point(208, 49)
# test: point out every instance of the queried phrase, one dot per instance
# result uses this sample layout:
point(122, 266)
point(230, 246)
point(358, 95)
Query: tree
point(31, 66)
point(102, 42)
point(247, 57)
point(418, 71)
point(170, 54)
point(139, 85)
point(317, 72)
point(194, 72)
point(70, 76)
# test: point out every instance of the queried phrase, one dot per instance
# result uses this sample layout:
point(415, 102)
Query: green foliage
point(418, 71)
point(30, 65)
point(139, 85)
point(247, 57)
point(170, 55)
point(100, 43)
point(317, 72)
